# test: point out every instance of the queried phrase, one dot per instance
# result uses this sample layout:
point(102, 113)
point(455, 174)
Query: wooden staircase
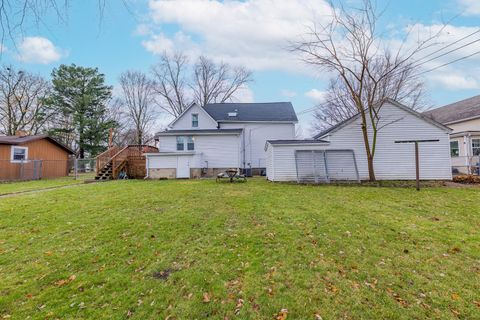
point(105, 173)
point(129, 159)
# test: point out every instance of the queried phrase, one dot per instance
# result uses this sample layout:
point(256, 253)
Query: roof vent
point(233, 113)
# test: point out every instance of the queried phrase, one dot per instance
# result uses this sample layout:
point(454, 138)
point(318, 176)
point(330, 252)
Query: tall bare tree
point(22, 97)
point(171, 83)
point(138, 98)
point(208, 82)
point(366, 70)
point(214, 83)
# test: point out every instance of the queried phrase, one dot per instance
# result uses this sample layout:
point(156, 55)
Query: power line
point(446, 64)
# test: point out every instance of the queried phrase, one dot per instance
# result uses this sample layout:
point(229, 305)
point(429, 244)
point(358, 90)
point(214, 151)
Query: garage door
point(316, 166)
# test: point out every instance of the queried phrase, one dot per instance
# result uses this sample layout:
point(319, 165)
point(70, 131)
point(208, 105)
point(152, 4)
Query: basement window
point(19, 154)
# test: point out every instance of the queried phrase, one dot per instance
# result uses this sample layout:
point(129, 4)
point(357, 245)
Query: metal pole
point(75, 167)
point(417, 166)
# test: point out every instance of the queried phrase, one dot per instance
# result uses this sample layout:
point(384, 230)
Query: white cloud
point(288, 93)
point(251, 33)
point(315, 95)
point(470, 7)
point(451, 81)
point(38, 50)
point(244, 94)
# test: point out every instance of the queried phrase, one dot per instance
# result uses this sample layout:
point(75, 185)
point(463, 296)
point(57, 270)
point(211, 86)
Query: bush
point(467, 179)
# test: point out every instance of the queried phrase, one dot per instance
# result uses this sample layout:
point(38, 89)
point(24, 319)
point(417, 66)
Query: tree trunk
point(371, 169)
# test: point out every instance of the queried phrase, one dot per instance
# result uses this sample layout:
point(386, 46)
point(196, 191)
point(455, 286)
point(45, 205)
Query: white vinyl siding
point(256, 135)
point(204, 120)
point(392, 161)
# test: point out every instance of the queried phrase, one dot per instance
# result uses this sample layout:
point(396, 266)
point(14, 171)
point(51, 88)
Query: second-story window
point(194, 120)
point(185, 143)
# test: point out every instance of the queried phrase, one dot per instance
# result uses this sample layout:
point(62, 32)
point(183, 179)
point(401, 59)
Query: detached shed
point(339, 153)
point(32, 157)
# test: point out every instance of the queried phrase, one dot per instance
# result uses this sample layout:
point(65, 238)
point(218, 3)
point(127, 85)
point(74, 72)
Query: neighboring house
point(464, 118)
point(204, 141)
point(32, 157)
point(339, 153)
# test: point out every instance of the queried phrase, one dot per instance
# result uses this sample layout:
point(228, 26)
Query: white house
point(464, 119)
point(203, 141)
point(339, 153)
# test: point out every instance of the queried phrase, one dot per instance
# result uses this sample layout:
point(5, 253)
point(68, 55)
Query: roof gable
point(186, 112)
point(344, 123)
point(252, 112)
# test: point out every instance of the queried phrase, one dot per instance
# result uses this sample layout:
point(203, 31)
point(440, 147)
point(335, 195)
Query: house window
point(180, 143)
point(185, 143)
point(194, 120)
point(476, 147)
point(19, 153)
point(190, 143)
point(454, 150)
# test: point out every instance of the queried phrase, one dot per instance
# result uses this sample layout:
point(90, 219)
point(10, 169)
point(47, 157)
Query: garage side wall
point(397, 161)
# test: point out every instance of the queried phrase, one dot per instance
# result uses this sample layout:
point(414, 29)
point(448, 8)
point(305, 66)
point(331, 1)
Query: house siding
point(204, 120)
point(392, 161)
point(255, 135)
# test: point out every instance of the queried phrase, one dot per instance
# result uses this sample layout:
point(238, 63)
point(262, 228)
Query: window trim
point(196, 121)
point(185, 143)
point(12, 152)
point(457, 148)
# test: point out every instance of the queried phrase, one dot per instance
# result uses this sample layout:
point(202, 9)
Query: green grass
point(22, 186)
point(342, 252)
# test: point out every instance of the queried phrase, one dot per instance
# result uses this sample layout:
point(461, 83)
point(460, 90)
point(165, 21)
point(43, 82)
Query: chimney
point(21, 133)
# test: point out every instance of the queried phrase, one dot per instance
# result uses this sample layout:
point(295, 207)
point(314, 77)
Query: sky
point(131, 34)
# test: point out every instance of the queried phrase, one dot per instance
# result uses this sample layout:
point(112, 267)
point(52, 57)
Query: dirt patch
point(162, 275)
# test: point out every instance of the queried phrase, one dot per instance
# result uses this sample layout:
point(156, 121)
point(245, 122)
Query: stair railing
point(105, 157)
point(118, 161)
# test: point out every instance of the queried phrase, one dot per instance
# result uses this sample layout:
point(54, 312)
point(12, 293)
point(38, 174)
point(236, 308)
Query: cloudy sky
point(252, 33)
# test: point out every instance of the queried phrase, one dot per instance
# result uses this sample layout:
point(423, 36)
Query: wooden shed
point(26, 157)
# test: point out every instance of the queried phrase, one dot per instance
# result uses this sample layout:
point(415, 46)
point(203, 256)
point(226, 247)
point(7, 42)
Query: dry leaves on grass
point(397, 297)
point(282, 315)
point(206, 297)
point(65, 281)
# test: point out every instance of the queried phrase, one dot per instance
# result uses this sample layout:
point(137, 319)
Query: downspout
point(148, 166)
point(243, 147)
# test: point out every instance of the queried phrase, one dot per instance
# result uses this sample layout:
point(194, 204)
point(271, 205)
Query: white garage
point(339, 153)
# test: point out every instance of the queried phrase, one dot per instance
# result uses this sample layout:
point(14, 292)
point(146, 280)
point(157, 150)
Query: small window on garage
point(476, 147)
point(454, 150)
point(180, 143)
point(19, 153)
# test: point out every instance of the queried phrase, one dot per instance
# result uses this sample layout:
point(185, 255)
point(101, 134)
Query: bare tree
point(171, 83)
point(366, 70)
point(22, 97)
point(138, 98)
point(209, 82)
point(214, 83)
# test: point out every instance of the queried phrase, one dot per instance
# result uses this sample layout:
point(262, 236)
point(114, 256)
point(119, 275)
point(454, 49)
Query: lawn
point(196, 249)
point(14, 187)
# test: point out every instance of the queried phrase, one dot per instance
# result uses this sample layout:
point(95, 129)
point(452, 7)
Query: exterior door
point(183, 167)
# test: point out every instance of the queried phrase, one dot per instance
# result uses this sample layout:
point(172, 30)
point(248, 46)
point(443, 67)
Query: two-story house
point(463, 117)
point(203, 141)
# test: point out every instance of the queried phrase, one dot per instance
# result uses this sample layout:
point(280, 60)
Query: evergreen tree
point(80, 97)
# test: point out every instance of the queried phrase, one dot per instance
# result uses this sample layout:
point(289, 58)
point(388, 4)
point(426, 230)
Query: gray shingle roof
point(457, 111)
point(16, 140)
point(198, 131)
point(306, 141)
point(270, 111)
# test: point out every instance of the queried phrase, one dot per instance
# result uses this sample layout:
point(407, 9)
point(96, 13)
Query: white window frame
point(195, 114)
point(185, 140)
point(458, 148)
point(12, 152)
point(477, 147)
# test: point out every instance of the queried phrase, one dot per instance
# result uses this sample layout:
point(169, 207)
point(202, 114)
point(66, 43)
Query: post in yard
point(417, 157)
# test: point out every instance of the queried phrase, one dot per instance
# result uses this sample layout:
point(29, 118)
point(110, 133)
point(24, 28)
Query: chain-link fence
point(317, 166)
point(466, 165)
point(22, 170)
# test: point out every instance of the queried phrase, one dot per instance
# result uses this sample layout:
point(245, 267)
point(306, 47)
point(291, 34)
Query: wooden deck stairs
point(128, 160)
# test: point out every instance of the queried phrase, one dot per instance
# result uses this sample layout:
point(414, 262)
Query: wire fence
point(23, 170)
point(466, 165)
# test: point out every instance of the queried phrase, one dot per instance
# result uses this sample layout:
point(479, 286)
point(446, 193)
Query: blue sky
point(251, 33)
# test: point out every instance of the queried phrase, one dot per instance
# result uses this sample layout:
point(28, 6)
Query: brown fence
point(47, 169)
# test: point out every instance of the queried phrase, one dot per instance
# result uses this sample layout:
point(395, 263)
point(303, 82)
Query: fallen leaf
point(65, 281)
point(455, 296)
point(239, 306)
point(206, 297)
point(282, 315)
point(318, 316)
point(477, 303)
